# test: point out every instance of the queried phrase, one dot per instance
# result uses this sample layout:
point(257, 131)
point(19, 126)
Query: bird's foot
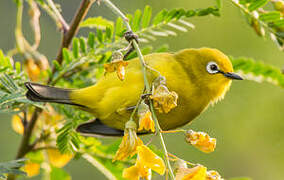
point(129, 36)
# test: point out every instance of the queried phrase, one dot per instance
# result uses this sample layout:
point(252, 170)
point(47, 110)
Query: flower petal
point(128, 146)
point(57, 159)
point(164, 100)
point(149, 159)
point(131, 173)
point(213, 175)
point(201, 140)
point(196, 173)
point(32, 169)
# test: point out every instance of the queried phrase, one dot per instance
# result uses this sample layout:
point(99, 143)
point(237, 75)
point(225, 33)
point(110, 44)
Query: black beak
point(232, 76)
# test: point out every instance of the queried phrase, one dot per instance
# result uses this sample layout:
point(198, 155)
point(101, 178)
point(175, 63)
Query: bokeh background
point(248, 123)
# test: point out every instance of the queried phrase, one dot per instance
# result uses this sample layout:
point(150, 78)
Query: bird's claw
point(129, 36)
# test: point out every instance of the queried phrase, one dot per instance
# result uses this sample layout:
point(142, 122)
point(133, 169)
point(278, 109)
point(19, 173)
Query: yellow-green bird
point(200, 77)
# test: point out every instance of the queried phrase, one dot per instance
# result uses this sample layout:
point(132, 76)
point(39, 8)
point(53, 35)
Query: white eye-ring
point(212, 67)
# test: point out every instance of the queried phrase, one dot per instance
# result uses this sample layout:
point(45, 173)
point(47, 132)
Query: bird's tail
point(42, 93)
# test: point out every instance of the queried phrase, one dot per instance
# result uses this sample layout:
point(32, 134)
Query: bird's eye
point(212, 68)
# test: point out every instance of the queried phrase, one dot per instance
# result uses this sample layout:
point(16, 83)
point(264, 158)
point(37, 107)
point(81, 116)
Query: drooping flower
point(201, 140)
point(151, 160)
point(137, 171)
point(129, 143)
point(32, 69)
point(32, 169)
point(57, 159)
point(146, 160)
point(145, 118)
point(163, 99)
point(213, 175)
point(117, 64)
point(195, 173)
point(17, 124)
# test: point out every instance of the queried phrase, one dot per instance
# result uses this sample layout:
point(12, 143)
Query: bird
point(200, 77)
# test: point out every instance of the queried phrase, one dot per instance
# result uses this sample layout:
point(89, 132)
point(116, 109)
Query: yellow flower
point(196, 173)
point(201, 140)
point(32, 69)
point(129, 143)
point(163, 99)
point(145, 118)
point(118, 66)
point(151, 160)
point(17, 124)
point(213, 175)
point(146, 160)
point(57, 159)
point(137, 171)
point(32, 169)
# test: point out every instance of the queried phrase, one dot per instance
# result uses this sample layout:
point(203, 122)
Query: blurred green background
point(248, 123)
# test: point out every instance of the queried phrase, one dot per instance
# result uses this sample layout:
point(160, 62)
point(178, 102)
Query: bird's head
point(209, 69)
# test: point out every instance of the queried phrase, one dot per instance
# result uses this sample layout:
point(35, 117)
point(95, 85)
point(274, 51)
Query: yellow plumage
point(186, 73)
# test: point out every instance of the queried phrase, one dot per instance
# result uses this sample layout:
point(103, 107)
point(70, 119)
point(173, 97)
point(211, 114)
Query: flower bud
point(201, 141)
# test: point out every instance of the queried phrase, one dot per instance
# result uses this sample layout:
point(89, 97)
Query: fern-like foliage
point(258, 71)
point(11, 167)
point(88, 55)
point(264, 20)
point(12, 92)
point(164, 24)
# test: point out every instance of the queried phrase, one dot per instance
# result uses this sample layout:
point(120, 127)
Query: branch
point(74, 27)
point(146, 82)
point(65, 26)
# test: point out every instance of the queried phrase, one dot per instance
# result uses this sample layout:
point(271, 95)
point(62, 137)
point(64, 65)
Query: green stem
point(251, 15)
point(146, 82)
point(18, 31)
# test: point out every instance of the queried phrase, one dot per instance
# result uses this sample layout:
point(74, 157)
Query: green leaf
point(258, 71)
point(136, 20)
point(12, 167)
point(100, 35)
point(279, 23)
point(270, 16)
point(75, 49)
point(59, 174)
point(119, 28)
point(256, 4)
point(207, 11)
point(243, 2)
point(97, 22)
point(18, 67)
point(83, 45)
point(109, 32)
point(91, 40)
point(66, 56)
point(56, 64)
point(160, 17)
point(147, 13)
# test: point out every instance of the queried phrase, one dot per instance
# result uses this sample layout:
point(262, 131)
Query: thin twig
point(146, 82)
point(251, 15)
point(65, 26)
point(74, 27)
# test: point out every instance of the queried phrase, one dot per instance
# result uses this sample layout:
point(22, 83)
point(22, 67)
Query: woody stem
point(146, 82)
